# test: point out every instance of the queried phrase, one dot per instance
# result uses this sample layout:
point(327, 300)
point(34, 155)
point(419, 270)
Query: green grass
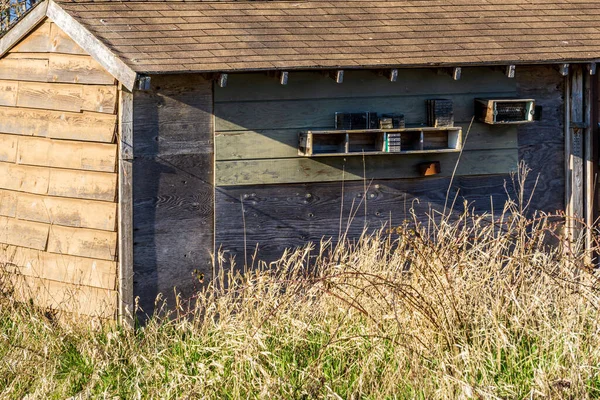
point(475, 308)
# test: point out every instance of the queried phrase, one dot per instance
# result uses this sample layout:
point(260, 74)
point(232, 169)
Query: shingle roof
point(174, 35)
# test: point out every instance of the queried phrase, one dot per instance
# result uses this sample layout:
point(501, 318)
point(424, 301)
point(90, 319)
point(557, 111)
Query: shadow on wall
point(173, 189)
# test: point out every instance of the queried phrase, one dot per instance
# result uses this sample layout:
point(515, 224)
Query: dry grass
point(479, 307)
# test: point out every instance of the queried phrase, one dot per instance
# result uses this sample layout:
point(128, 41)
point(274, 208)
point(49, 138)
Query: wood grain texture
point(57, 267)
point(33, 69)
point(23, 233)
point(83, 184)
point(283, 143)
point(28, 23)
point(76, 299)
point(92, 45)
point(8, 148)
point(64, 154)
point(542, 144)
point(24, 178)
point(85, 126)
point(36, 41)
point(59, 96)
point(358, 84)
point(287, 216)
point(58, 211)
point(322, 169)
point(51, 67)
point(89, 243)
point(125, 208)
point(173, 193)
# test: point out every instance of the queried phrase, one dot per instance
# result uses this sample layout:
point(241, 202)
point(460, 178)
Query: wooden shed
point(137, 138)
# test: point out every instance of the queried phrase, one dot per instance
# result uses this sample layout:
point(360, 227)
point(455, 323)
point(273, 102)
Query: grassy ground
point(476, 308)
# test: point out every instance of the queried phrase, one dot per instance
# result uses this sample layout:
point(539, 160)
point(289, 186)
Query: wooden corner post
point(579, 157)
point(125, 225)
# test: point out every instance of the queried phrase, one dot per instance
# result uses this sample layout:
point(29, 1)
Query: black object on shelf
point(440, 113)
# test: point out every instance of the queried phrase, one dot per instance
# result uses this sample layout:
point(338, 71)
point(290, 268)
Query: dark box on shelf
point(440, 112)
point(362, 120)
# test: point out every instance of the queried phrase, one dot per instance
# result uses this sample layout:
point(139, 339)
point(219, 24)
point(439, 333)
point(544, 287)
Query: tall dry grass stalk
point(478, 306)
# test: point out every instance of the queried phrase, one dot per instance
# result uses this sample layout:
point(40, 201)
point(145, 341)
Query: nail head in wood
point(223, 80)
point(591, 68)
point(283, 78)
point(563, 69)
point(510, 71)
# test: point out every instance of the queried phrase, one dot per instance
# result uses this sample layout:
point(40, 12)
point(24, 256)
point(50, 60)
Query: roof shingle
point(203, 36)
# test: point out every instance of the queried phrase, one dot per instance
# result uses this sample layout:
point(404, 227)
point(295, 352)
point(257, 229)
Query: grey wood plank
point(314, 85)
point(319, 114)
point(173, 187)
point(283, 143)
point(298, 170)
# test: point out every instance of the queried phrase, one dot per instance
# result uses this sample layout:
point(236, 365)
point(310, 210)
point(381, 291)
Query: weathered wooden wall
point(58, 181)
point(173, 187)
point(257, 122)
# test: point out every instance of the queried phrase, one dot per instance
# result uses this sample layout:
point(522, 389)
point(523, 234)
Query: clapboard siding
point(274, 217)
point(58, 96)
point(49, 67)
point(257, 122)
point(58, 180)
point(59, 267)
point(173, 210)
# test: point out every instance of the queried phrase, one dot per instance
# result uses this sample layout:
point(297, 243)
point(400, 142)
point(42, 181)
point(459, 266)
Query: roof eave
point(80, 35)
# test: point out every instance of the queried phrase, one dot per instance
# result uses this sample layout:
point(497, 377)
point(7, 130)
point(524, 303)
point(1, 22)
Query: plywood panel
point(65, 154)
point(8, 148)
point(89, 243)
point(81, 300)
point(82, 184)
point(58, 211)
point(290, 170)
point(58, 267)
point(24, 178)
point(23, 233)
point(85, 126)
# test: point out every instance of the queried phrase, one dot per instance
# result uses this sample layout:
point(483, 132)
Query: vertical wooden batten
point(125, 141)
point(574, 147)
point(590, 159)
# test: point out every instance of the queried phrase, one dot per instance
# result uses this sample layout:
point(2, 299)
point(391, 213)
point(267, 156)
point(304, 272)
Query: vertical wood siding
point(173, 191)
point(58, 181)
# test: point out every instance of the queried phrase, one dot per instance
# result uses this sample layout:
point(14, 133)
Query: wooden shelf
point(421, 140)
